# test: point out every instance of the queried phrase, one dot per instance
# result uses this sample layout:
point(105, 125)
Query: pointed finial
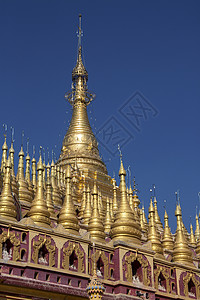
point(48, 153)
point(154, 190)
point(151, 193)
point(43, 155)
point(129, 175)
point(40, 152)
point(33, 151)
point(164, 206)
point(177, 197)
point(12, 134)
point(199, 201)
point(120, 152)
point(27, 146)
point(52, 154)
point(22, 138)
point(5, 129)
point(80, 32)
point(135, 190)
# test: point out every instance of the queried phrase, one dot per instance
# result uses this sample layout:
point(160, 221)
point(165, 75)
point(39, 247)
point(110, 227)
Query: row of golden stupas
point(47, 201)
point(77, 193)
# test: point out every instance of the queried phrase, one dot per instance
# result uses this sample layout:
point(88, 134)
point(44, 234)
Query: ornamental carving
point(79, 252)
point(38, 244)
point(94, 259)
point(14, 240)
point(129, 259)
point(186, 279)
point(165, 273)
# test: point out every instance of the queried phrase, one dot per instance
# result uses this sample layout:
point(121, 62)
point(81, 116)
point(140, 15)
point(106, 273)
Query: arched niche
point(100, 257)
point(9, 242)
point(41, 245)
point(73, 261)
point(162, 276)
point(161, 282)
point(100, 267)
point(73, 257)
point(191, 286)
point(7, 250)
point(136, 265)
point(137, 276)
point(23, 254)
point(43, 255)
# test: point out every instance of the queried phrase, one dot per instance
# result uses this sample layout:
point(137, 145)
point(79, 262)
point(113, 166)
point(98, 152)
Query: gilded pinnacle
point(167, 241)
point(67, 216)
point(7, 206)
point(39, 211)
point(182, 252)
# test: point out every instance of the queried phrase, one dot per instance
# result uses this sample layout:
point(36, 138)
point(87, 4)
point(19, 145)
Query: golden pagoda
point(50, 217)
point(153, 234)
point(125, 227)
point(181, 252)
point(39, 211)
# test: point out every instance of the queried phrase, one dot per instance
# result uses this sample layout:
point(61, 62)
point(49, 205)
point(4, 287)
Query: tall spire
point(27, 173)
point(39, 212)
point(153, 235)
point(49, 199)
point(115, 204)
point(34, 177)
point(67, 216)
point(192, 238)
point(88, 210)
point(4, 155)
point(7, 206)
point(181, 253)
point(55, 190)
point(25, 196)
point(125, 226)
point(167, 241)
point(84, 197)
point(79, 140)
point(197, 230)
point(14, 184)
point(95, 226)
point(108, 221)
point(157, 218)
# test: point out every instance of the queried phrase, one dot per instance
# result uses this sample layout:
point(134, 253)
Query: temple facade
point(67, 231)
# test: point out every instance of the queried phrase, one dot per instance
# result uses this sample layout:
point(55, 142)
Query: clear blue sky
point(147, 46)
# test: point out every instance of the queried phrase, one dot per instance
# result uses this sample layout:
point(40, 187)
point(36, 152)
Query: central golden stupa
point(80, 147)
